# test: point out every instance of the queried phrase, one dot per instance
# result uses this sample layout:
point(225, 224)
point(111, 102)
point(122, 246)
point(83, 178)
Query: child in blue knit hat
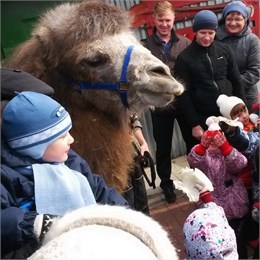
point(33, 122)
point(41, 177)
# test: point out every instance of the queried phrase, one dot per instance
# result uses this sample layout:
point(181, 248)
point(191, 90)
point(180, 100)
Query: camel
point(101, 73)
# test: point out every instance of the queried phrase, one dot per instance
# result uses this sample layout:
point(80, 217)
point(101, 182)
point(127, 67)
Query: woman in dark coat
point(234, 30)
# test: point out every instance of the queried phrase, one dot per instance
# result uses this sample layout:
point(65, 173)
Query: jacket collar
point(158, 40)
point(201, 48)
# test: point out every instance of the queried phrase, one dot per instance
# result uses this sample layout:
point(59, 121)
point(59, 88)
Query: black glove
point(235, 136)
point(228, 130)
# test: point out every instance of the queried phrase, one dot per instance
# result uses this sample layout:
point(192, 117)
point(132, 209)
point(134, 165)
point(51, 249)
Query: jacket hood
point(174, 36)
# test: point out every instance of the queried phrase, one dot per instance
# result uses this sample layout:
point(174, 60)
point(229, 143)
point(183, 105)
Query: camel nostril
point(158, 71)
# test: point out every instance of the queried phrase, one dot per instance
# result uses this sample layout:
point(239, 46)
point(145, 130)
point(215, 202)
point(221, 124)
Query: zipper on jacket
point(211, 67)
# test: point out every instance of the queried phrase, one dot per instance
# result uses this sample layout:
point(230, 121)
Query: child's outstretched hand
point(191, 181)
point(205, 194)
point(200, 187)
point(221, 142)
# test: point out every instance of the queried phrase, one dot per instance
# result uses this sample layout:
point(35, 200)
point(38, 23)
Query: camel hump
point(81, 21)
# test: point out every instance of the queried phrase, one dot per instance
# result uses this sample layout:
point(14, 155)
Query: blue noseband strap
point(120, 86)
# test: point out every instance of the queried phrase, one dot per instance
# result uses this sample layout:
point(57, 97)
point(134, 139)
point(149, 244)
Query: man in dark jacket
point(34, 188)
point(165, 44)
point(207, 68)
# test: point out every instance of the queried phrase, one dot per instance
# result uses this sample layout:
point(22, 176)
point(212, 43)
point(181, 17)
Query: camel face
point(149, 82)
point(86, 42)
point(87, 52)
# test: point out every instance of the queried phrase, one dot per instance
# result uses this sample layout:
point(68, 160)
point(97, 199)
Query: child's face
point(58, 150)
point(242, 115)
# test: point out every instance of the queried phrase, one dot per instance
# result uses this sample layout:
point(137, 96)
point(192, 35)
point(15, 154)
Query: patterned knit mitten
point(221, 142)
point(42, 225)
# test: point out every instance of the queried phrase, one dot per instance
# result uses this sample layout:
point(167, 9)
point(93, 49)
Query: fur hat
point(31, 121)
point(106, 232)
point(236, 6)
point(207, 234)
point(226, 104)
point(13, 80)
point(205, 19)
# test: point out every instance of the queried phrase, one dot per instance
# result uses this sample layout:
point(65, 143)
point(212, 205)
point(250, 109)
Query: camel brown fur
point(87, 41)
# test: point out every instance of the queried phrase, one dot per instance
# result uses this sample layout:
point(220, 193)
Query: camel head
point(87, 43)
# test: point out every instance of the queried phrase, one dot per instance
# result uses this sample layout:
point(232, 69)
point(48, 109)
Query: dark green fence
point(17, 21)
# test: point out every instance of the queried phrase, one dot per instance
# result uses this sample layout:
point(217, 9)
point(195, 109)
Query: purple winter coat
point(229, 192)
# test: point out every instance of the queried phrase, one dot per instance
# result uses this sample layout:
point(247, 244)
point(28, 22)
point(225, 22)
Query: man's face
point(164, 23)
point(205, 37)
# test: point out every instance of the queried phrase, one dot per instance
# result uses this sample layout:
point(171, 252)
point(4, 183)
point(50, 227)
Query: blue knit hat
point(31, 121)
point(205, 19)
point(236, 6)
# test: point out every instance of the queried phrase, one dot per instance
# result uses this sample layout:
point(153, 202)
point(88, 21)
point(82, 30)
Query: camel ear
point(45, 37)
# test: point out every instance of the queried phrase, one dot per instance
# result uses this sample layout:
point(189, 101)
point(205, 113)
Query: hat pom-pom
point(212, 123)
point(221, 99)
point(253, 118)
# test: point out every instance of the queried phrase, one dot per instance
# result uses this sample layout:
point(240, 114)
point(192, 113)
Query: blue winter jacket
point(17, 190)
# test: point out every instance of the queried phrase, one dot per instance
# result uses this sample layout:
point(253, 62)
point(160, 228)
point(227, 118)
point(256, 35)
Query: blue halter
point(121, 86)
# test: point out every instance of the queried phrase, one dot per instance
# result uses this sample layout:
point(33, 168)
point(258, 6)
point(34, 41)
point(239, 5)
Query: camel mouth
point(167, 84)
point(166, 87)
point(149, 98)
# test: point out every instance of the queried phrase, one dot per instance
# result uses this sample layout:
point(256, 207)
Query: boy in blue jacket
point(41, 177)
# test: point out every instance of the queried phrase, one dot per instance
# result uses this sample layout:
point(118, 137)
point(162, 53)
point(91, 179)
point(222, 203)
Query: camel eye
point(100, 59)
